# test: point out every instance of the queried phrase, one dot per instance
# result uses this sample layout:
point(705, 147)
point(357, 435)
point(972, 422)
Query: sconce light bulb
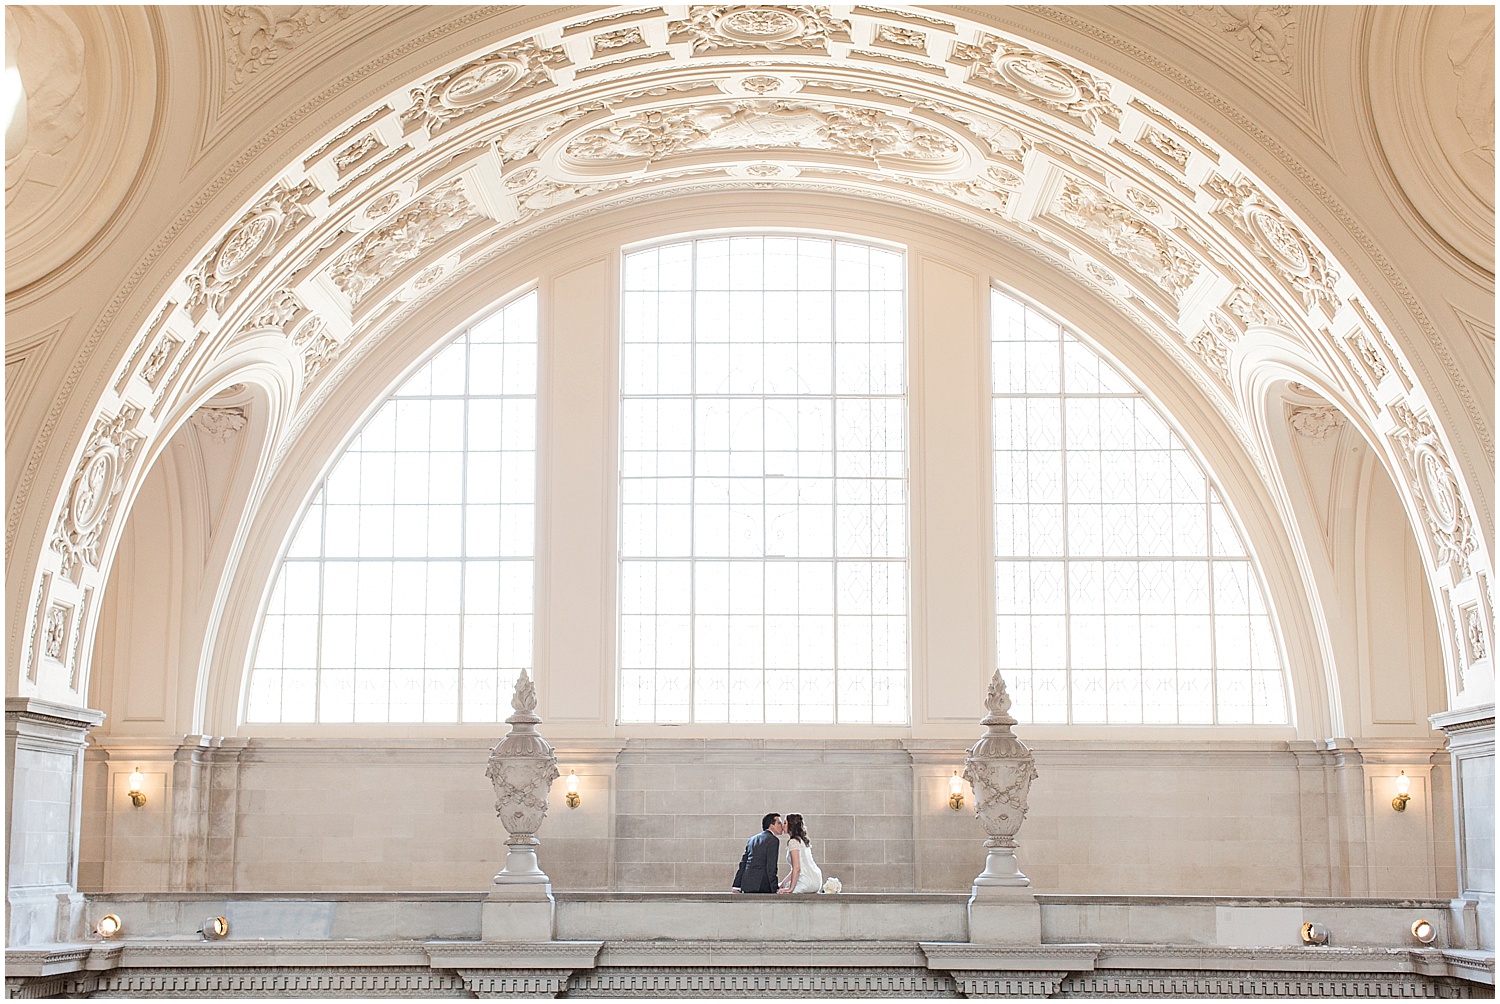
point(955, 791)
point(572, 789)
point(1403, 785)
point(137, 782)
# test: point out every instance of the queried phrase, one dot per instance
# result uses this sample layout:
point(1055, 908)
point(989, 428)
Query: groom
point(757, 871)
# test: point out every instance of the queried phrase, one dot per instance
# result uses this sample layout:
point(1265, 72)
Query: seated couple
point(757, 871)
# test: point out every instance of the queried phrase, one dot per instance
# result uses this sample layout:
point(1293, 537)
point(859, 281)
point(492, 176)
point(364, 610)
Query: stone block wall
point(1120, 818)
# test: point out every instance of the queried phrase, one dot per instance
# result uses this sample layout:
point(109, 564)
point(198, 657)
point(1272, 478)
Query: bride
point(805, 874)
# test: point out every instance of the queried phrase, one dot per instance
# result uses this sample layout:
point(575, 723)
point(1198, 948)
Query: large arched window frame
point(406, 594)
point(1123, 591)
point(763, 574)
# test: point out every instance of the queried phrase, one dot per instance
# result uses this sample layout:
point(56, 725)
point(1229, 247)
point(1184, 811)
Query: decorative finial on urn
point(523, 701)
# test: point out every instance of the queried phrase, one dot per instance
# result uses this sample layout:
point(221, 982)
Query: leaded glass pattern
point(1123, 593)
point(763, 483)
point(406, 594)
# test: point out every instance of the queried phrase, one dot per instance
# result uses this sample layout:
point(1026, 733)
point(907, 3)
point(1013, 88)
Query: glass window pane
point(446, 468)
point(789, 446)
point(1148, 608)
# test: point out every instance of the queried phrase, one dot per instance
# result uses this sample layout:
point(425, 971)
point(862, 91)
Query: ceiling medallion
point(760, 24)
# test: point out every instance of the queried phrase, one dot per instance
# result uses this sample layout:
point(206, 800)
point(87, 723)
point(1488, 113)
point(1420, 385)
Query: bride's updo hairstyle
point(795, 830)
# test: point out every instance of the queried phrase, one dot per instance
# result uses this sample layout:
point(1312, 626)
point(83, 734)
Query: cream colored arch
point(460, 136)
point(549, 259)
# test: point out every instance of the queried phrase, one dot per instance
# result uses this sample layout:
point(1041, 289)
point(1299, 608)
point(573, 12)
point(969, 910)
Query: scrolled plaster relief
point(256, 36)
point(1268, 32)
point(482, 83)
point(220, 424)
point(1314, 421)
point(55, 633)
point(1036, 78)
point(381, 253)
point(1140, 245)
point(259, 234)
point(1276, 240)
point(89, 505)
point(715, 27)
point(1435, 488)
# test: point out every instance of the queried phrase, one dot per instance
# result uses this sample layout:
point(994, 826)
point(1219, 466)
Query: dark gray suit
point(757, 871)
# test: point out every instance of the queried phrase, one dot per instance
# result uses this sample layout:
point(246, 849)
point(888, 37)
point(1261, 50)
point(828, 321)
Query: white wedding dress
point(810, 878)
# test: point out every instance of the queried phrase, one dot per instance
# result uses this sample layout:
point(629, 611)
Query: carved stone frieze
point(900, 38)
point(1314, 421)
point(714, 27)
point(1213, 344)
point(156, 362)
point(1267, 31)
point(258, 234)
point(1036, 78)
point(981, 193)
point(1435, 487)
point(1251, 308)
point(1471, 623)
point(1165, 147)
point(1276, 240)
point(1142, 246)
point(319, 349)
point(55, 632)
point(762, 125)
point(482, 83)
point(282, 309)
point(221, 424)
point(355, 152)
point(257, 35)
point(619, 40)
point(382, 252)
point(89, 505)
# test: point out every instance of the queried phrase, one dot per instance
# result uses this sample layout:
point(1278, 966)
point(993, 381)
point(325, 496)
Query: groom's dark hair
point(771, 817)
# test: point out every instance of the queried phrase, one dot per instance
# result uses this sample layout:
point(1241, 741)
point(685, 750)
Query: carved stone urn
point(1000, 769)
point(522, 768)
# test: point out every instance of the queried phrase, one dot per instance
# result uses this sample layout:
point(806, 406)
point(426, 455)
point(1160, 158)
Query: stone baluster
point(1000, 769)
point(522, 768)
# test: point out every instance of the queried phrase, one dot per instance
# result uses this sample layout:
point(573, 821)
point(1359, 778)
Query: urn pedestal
point(1000, 769)
point(522, 768)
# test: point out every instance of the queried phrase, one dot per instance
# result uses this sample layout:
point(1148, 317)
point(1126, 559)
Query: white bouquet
point(833, 885)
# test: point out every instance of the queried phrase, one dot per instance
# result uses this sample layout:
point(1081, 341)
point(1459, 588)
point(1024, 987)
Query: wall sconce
point(214, 928)
point(1423, 931)
point(137, 796)
point(109, 925)
point(955, 791)
point(1314, 934)
point(572, 789)
point(1403, 785)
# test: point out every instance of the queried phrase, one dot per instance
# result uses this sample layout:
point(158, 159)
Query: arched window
point(406, 595)
point(1123, 593)
point(763, 482)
